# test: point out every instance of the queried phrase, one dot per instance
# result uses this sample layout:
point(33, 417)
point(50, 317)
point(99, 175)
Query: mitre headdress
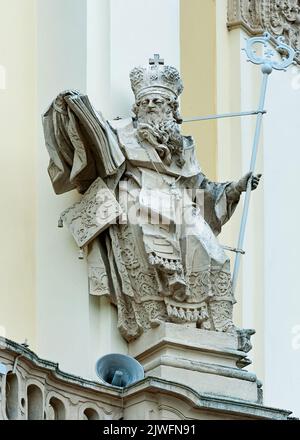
point(156, 78)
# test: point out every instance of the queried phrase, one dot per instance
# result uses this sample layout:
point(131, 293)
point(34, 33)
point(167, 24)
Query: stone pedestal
point(208, 362)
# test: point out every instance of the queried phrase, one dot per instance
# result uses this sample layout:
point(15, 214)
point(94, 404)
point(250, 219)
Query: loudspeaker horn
point(119, 370)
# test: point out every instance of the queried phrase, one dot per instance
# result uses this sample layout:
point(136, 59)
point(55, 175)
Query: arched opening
point(35, 403)
point(12, 396)
point(90, 414)
point(57, 409)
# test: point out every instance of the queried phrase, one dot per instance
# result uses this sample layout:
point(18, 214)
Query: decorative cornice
point(278, 17)
point(110, 401)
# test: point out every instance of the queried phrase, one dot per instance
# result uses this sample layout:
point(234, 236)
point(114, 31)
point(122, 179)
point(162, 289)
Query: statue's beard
point(163, 133)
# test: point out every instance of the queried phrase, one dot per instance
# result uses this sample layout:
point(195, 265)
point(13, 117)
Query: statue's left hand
point(243, 182)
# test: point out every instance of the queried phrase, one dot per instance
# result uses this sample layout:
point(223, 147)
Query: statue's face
point(154, 103)
point(157, 125)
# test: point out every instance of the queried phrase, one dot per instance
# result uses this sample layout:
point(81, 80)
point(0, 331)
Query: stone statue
point(151, 242)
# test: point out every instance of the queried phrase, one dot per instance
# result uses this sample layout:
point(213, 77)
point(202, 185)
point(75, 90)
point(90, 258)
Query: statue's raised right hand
point(242, 184)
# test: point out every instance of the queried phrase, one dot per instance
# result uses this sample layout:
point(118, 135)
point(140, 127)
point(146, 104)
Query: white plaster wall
point(268, 290)
point(62, 296)
point(282, 241)
point(238, 89)
point(98, 54)
point(250, 290)
point(140, 28)
point(91, 46)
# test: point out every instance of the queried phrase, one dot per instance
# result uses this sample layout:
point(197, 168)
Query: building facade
point(90, 45)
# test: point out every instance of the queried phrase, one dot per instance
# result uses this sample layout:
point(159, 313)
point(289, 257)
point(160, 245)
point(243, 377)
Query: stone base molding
point(34, 389)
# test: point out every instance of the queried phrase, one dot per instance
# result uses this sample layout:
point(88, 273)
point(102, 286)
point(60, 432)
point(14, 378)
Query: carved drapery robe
point(171, 268)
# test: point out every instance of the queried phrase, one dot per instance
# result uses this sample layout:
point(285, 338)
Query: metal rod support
point(225, 115)
point(249, 187)
point(231, 249)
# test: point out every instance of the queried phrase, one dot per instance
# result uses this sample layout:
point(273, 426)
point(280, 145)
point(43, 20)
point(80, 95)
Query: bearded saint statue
point(160, 260)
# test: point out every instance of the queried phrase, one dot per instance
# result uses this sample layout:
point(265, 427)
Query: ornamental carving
point(278, 17)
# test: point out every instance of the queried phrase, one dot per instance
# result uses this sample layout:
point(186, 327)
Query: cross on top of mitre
point(156, 60)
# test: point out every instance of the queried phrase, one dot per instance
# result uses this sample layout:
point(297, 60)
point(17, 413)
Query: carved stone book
point(96, 211)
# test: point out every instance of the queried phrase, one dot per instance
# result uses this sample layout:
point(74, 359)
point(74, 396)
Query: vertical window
point(12, 395)
point(35, 403)
point(90, 414)
point(57, 409)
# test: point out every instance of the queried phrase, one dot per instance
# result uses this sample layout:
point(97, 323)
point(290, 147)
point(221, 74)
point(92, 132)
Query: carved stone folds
point(278, 17)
